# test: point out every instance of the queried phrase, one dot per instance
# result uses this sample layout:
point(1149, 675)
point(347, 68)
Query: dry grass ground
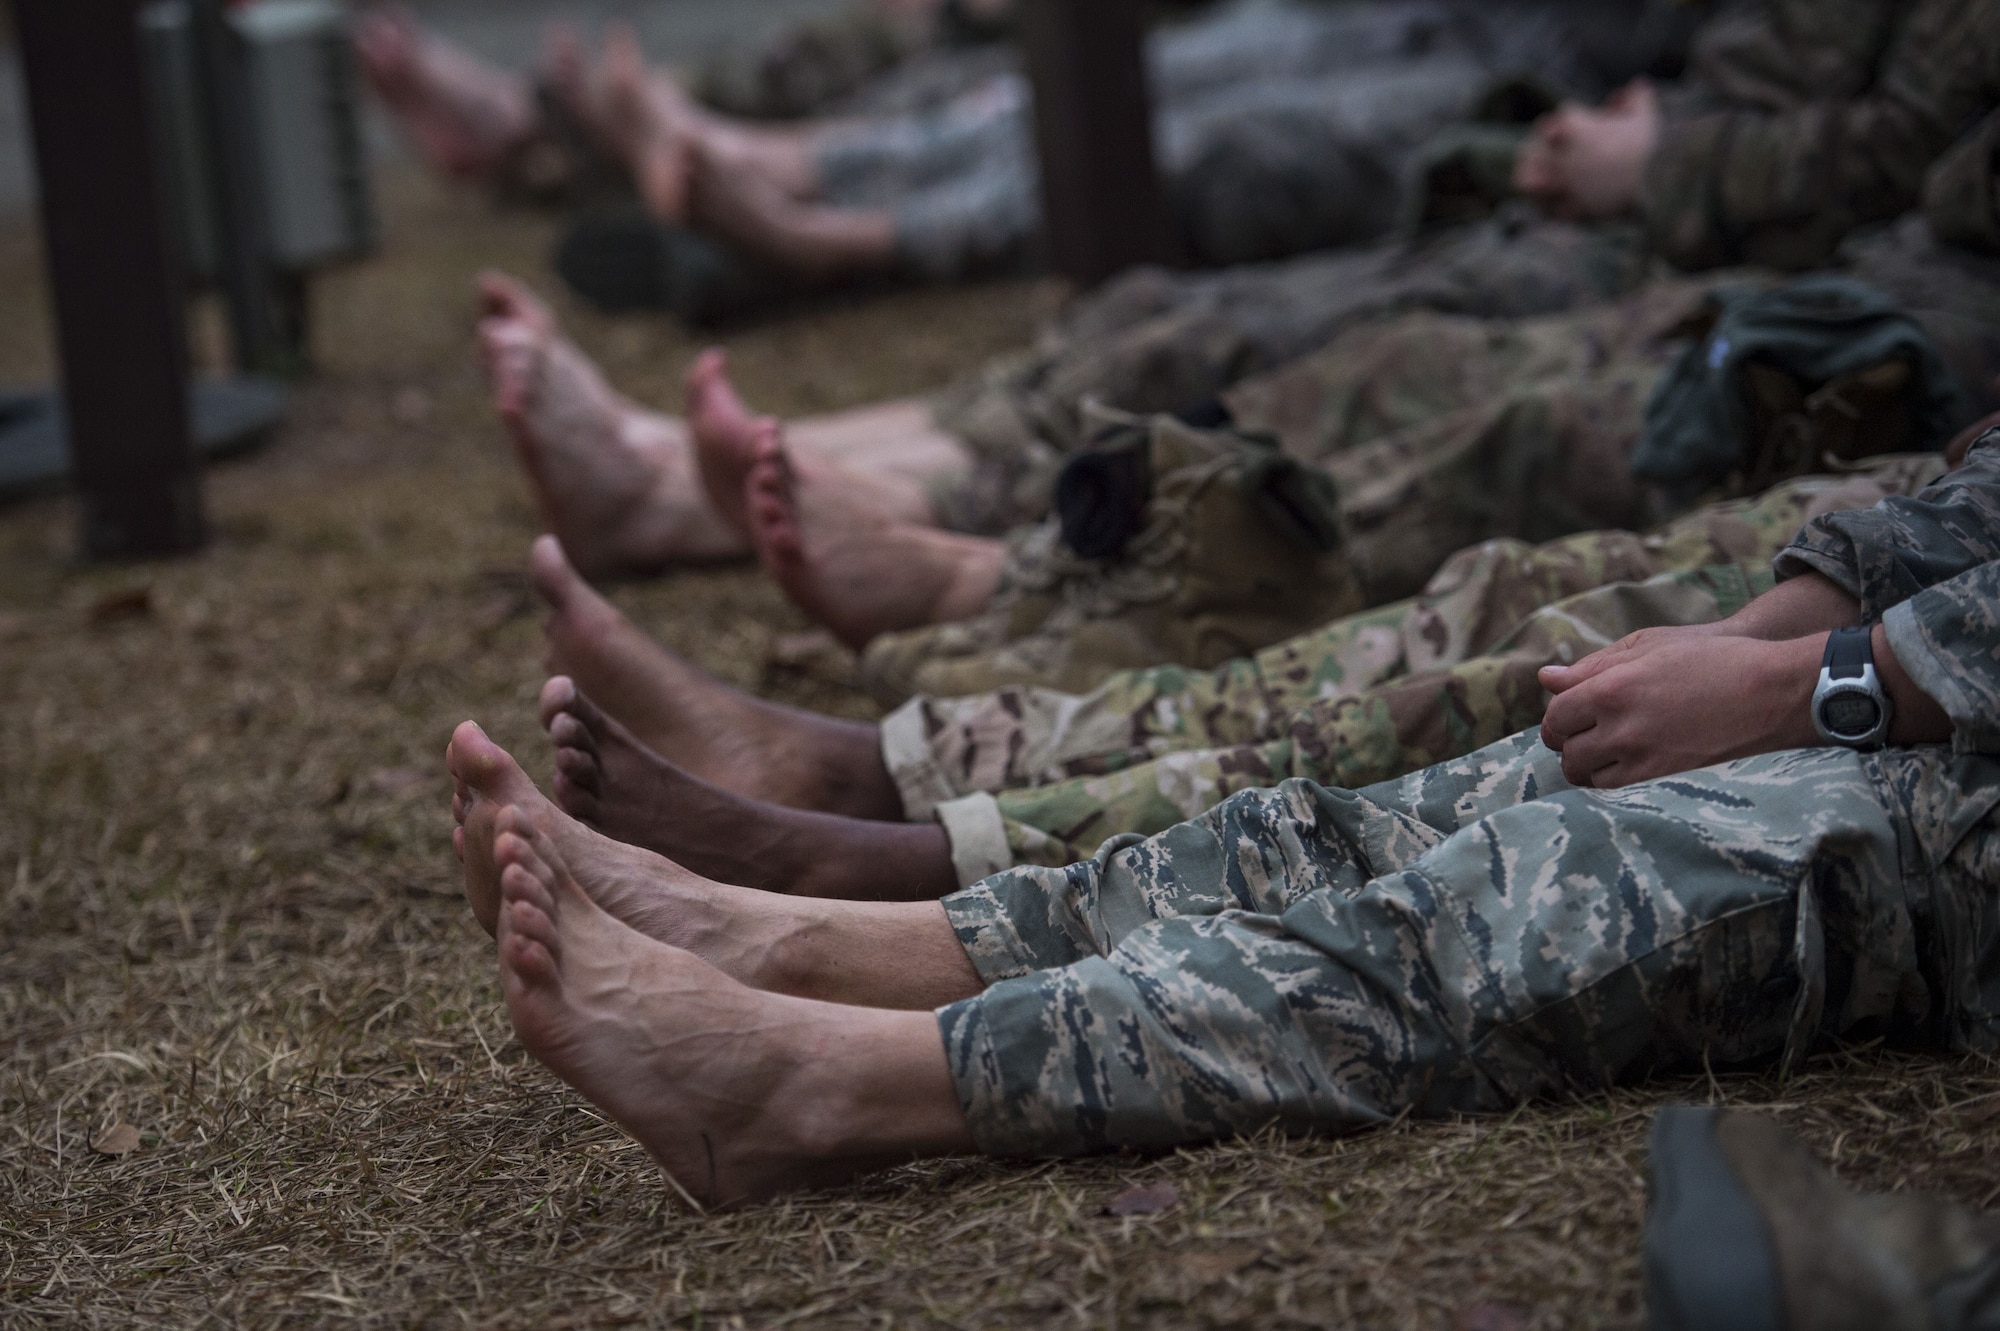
point(228, 918)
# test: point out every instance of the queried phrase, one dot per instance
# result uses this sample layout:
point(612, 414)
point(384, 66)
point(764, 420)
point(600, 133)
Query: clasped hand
point(1673, 699)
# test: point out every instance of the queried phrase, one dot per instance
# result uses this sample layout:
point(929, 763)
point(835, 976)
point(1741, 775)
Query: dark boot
point(1747, 1231)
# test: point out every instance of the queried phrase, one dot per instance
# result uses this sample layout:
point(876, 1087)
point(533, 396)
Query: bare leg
point(737, 1093)
point(605, 777)
point(617, 483)
point(729, 738)
point(851, 566)
point(889, 451)
point(875, 954)
point(752, 210)
point(464, 115)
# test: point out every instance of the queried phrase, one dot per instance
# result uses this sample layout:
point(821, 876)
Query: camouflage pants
point(1034, 776)
point(1290, 161)
point(1436, 431)
point(1154, 341)
point(1463, 940)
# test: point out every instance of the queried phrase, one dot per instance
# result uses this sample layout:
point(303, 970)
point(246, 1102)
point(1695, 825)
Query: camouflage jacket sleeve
point(1810, 118)
point(1887, 554)
point(1948, 640)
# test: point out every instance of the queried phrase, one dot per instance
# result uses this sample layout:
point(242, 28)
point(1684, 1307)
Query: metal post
point(1101, 196)
point(266, 316)
point(118, 293)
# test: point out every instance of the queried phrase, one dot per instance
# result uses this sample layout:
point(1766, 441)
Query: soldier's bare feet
point(892, 448)
point(464, 115)
point(880, 954)
point(735, 740)
point(737, 1094)
point(647, 121)
point(752, 208)
point(616, 482)
point(658, 898)
point(607, 778)
point(725, 435)
point(823, 533)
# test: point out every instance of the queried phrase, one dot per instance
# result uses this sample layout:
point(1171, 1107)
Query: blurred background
point(505, 31)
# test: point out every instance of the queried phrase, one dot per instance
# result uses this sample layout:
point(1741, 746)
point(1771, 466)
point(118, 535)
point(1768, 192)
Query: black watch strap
point(1849, 651)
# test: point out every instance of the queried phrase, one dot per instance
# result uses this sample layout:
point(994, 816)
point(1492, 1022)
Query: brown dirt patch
point(232, 924)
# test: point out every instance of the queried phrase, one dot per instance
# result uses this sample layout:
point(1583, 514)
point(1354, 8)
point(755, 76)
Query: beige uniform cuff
point(912, 763)
point(978, 837)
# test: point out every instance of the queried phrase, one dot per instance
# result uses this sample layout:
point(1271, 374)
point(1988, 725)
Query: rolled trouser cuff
point(911, 761)
point(978, 836)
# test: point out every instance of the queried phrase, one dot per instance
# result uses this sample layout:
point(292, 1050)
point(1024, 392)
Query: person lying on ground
point(1435, 431)
point(1034, 776)
point(1282, 128)
point(1527, 922)
point(1155, 343)
point(1795, 124)
point(540, 135)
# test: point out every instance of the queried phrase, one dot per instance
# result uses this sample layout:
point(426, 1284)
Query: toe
point(487, 768)
point(701, 380)
point(571, 736)
point(772, 522)
point(580, 773)
point(580, 804)
point(553, 576)
point(526, 961)
point(559, 694)
point(520, 885)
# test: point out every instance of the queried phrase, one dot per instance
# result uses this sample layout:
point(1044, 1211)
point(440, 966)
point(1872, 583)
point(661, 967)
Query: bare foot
point(894, 954)
point(660, 899)
point(616, 482)
point(850, 563)
point(892, 448)
point(726, 1087)
point(607, 779)
point(464, 115)
point(648, 122)
point(753, 209)
point(725, 435)
point(732, 739)
point(746, 745)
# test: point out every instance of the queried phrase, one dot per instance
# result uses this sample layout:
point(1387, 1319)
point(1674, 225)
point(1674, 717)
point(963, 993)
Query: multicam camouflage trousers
point(1470, 937)
point(1035, 776)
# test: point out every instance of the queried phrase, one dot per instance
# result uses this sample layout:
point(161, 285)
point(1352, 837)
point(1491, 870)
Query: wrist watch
point(1849, 707)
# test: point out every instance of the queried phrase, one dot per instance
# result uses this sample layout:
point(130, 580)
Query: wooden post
point(118, 292)
point(1103, 205)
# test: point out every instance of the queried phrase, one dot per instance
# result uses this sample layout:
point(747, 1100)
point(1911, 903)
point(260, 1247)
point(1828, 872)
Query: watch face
point(1850, 714)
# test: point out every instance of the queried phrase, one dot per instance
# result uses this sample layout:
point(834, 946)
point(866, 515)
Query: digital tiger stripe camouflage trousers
point(1467, 938)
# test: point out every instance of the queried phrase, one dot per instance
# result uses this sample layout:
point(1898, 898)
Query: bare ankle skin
point(756, 212)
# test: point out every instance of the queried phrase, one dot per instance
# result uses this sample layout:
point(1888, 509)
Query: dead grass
point(231, 921)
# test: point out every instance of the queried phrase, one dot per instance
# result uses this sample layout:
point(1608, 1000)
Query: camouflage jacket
point(1928, 567)
point(1804, 119)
